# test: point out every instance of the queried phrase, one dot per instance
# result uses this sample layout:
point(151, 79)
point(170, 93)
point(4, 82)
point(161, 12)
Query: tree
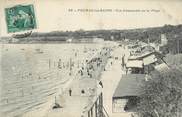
point(162, 95)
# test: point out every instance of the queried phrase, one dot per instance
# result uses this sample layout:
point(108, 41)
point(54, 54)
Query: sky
point(53, 15)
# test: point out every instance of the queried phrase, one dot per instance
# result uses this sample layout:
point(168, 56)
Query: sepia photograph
point(90, 58)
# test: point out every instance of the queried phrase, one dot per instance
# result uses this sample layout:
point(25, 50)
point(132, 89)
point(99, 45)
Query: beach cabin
point(126, 95)
point(134, 67)
point(145, 62)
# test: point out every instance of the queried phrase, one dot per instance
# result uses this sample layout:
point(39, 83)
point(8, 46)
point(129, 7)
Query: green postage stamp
point(20, 18)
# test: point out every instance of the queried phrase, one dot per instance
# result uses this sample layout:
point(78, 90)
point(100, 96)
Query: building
point(145, 62)
point(162, 68)
point(163, 40)
point(135, 66)
point(127, 93)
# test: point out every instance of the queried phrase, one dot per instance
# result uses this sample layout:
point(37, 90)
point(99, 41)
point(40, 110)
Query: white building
point(163, 40)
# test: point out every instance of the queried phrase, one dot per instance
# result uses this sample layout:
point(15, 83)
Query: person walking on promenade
point(70, 92)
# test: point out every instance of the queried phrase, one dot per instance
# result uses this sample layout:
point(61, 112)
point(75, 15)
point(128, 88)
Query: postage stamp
point(20, 18)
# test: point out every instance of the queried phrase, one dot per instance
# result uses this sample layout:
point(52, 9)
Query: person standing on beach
point(123, 62)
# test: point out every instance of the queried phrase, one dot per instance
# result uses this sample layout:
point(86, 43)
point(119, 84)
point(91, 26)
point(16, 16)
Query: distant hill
point(142, 34)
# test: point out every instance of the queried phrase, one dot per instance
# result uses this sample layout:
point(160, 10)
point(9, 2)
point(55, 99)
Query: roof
point(129, 85)
point(141, 56)
point(145, 54)
point(135, 63)
point(162, 68)
point(149, 59)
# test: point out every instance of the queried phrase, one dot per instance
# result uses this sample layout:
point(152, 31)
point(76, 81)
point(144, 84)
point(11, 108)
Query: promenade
point(110, 79)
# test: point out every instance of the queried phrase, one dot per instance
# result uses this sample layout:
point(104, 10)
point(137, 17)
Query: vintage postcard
point(90, 58)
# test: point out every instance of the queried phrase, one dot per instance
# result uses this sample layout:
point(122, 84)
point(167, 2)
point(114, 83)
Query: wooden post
point(99, 109)
point(91, 111)
point(101, 104)
point(96, 109)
